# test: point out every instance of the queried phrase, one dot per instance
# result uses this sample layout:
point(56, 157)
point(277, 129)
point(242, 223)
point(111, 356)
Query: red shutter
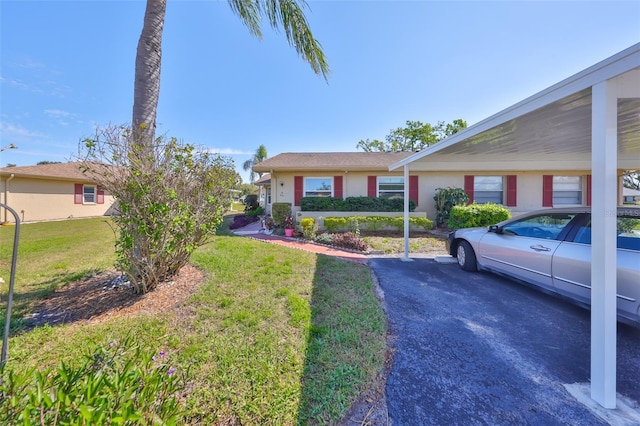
point(512, 190)
point(468, 187)
point(588, 190)
point(372, 183)
point(100, 195)
point(337, 186)
point(77, 193)
point(413, 189)
point(297, 190)
point(547, 190)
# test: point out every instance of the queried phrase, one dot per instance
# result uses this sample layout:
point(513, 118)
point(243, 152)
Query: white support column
point(406, 213)
point(604, 152)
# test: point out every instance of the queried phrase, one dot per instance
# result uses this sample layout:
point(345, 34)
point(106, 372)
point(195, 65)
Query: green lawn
point(273, 336)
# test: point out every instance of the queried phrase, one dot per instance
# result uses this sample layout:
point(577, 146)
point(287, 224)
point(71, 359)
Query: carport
point(590, 121)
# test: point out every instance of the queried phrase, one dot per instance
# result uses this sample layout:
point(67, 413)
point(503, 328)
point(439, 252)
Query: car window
point(547, 226)
point(628, 233)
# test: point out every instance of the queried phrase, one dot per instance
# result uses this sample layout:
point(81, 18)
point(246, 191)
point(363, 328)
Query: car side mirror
point(495, 228)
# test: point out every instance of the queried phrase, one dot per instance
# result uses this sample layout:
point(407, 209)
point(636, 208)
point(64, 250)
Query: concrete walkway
point(253, 230)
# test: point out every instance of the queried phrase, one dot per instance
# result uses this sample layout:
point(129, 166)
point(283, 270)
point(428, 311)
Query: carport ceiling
point(550, 131)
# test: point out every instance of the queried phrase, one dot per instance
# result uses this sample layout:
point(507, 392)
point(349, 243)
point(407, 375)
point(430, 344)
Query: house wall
point(528, 197)
point(42, 199)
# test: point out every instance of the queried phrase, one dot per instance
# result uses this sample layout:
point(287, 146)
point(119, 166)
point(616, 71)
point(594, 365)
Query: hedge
point(375, 223)
point(279, 211)
point(354, 204)
point(475, 215)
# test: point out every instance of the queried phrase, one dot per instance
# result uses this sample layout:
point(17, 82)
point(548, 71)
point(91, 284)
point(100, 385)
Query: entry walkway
point(253, 231)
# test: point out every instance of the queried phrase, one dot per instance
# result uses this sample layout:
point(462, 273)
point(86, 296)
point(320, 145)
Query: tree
point(414, 137)
point(631, 179)
point(40, 163)
point(167, 207)
point(259, 156)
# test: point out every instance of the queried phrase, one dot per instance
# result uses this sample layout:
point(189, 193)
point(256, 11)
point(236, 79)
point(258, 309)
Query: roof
point(330, 161)
point(265, 179)
point(553, 126)
point(63, 171)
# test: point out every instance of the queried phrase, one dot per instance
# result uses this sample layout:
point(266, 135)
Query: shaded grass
point(273, 336)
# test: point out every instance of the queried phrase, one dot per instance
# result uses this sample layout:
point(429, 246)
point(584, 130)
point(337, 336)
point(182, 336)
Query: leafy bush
point(309, 228)
point(324, 238)
point(255, 212)
point(477, 215)
point(242, 220)
point(374, 223)
point(445, 199)
point(349, 240)
point(354, 204)
point(115, 385)
point(251, 203)
point(279, 211)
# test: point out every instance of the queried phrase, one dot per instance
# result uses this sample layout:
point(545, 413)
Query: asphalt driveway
point(475, 349)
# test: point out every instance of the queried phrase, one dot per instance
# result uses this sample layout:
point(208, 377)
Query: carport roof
point(552, 126)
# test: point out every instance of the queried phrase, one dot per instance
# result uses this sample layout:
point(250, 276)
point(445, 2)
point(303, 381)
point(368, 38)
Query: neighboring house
point(347, 174)
point(51, 191)
point(630, 196)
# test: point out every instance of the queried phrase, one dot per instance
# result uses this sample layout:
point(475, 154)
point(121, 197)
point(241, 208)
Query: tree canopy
point(258, 156)
point(414, 137)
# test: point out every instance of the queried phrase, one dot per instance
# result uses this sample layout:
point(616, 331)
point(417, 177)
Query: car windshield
point(547, 225)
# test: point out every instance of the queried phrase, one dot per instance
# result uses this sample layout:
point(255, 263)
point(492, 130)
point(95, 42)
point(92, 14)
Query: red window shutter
point(413, 189)
point(468, 187)
point(372, 186)
point(588, 190)
point(337, 186)
point(547, 190)
point(100, 196)
point(297, 190)
point(512, 190)
point(77, 193)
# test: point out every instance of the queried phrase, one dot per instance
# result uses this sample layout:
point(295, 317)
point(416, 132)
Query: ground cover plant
point(269, 335)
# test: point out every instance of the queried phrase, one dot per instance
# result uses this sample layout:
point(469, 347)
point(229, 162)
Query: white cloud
point(10, 130)
point(57, 113)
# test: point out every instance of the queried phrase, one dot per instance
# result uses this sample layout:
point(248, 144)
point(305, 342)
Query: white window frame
point(85, 194)
point(379, 191)
point(476, 191)
point(304, 192)
point(579, 191)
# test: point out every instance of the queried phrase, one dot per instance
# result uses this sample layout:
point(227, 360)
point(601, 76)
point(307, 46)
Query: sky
point(67, 68)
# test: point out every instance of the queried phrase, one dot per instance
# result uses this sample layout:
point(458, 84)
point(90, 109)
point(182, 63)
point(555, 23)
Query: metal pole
point(16, 237)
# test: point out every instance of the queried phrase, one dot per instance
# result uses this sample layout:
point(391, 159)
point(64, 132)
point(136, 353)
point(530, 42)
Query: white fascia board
point(612, 67)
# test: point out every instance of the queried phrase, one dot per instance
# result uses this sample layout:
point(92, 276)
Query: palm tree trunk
point(146, 89)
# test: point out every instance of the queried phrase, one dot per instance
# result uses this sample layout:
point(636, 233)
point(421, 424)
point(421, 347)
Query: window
point(88, 194)
point(628, 233)
point(318, 187)
point(488, 189)
point(268, 191)
point(390, 187)
point(567, 190)
point(547, 226)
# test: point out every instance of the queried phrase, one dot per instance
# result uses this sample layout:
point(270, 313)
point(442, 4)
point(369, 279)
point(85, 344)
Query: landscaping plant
point(171, 197)
point(445, 199)
point(477, 215)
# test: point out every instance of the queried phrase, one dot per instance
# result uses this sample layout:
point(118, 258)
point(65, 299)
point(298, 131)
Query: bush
point(309, 228)
point(349, 240)
point(354, 204)
point(445, 199)
point(324, 238)
point(374, 223)
point(242, 220)
point(251, 203)
point(475, 215)
point(115, 385)
point(279, 211)
point(255, 212)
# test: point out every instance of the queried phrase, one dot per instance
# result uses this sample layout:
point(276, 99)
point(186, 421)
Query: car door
point(524, 247)
point(572, 266)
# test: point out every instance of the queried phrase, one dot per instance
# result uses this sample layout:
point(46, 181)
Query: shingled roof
point(64, 171)
point(329, 161)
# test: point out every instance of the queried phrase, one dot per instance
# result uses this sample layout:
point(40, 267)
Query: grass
point(274, 335)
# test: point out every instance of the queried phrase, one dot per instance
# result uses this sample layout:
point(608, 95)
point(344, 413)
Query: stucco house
point(50, 192)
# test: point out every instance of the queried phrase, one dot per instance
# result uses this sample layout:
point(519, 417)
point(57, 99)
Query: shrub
point(309, 228)
point(350, 241)
point(251, 203)
point(255, 212)
point(374, 223)
point(279, 211)
point(445, 199)
point(477, 215)
point(333, 224)
point(115, 385)
point(324, 238)
point(354, 204)
point(242, 220)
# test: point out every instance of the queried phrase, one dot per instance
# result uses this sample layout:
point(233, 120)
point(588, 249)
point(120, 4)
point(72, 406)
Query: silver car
point(551, 249)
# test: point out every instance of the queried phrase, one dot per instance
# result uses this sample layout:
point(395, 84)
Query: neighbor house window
point(567, 190)
point(318, 187)
point(89, 194)
point(488, 189)
point(390, 187)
